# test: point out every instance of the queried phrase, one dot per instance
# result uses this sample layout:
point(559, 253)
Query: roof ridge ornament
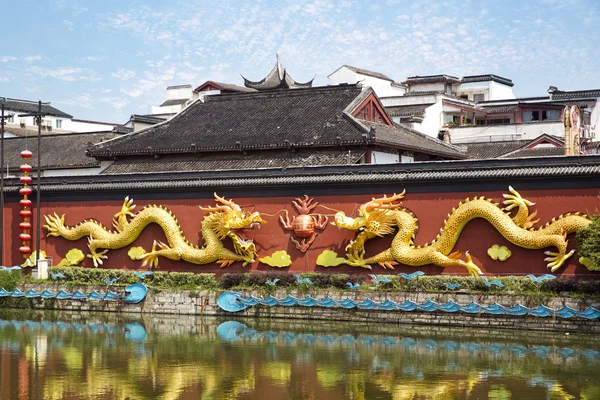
point(278, 78)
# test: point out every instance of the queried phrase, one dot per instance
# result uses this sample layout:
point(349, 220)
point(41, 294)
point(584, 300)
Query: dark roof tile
point(59, 151)
point(312, 117)
point(407, 111)
point(486, 78)
point(369, 73)
point(410, 139)
point(26, 106)
point(234, 161)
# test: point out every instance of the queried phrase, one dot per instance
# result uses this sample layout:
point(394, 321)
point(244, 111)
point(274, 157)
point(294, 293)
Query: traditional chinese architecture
point(336, 125)
point(278, 78)
point(296, 160)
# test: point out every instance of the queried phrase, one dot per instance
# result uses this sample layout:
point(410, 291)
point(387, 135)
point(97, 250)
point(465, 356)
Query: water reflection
point(108, 356)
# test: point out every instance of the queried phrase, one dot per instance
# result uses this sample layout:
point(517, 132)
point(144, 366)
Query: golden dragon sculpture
point(382, 216)
point(225, 220)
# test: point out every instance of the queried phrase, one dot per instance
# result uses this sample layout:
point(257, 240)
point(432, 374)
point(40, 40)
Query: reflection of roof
point(407, 111)
point(410, 139)
point(411, 80)
point(26, 106)
point(278, 78)
point(235, 161)
point(173, 102)
point(368, 73)
point(65, 150)
point(487, 78)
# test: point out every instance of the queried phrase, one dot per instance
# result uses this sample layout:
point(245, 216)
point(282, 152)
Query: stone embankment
point(203, 302)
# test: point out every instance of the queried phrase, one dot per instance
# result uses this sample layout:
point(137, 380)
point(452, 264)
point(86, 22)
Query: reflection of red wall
point(430, 208)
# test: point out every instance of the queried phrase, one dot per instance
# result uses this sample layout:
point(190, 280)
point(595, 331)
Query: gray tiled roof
point(65, 150)
point(575, 94)
point(407, 111)
point(536, 152)
point(147, 119)
point(26, 106)
point(410, 139)
point(299, 119)
point(560, 169)
point(487, 150)
point(368, 73)
point(278, 78)
point(412, 80)
point(173, 102)
point(234, 88)
point(487, 77)
point(234, 161)
point(249, 121)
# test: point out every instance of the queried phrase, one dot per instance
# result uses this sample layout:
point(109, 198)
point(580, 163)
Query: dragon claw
point(555, 260)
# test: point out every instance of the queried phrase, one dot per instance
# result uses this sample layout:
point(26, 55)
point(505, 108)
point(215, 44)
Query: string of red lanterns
point(25, 203)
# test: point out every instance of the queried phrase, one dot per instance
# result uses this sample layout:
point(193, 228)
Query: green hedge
point(588, 240)
point(516, 285)
point(9, 280)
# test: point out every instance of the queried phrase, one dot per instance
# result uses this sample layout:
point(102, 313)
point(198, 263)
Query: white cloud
point(93, 58)
point(5, 59)
point(33, 58)
point(85, 100)
point(123, 74)
point(69, 24)
point(3, 79)
point(66, 74)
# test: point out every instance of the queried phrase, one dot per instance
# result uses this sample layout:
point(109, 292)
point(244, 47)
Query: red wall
point(430, 208)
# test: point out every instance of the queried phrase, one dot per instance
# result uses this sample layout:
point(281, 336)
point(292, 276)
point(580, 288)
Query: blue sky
point(105, 60)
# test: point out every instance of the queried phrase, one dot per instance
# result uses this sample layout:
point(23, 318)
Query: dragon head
point(374, 216)
point(228, 219)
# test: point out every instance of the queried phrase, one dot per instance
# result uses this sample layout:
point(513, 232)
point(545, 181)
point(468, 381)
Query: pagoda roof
point(314, 118)
point(278, 78)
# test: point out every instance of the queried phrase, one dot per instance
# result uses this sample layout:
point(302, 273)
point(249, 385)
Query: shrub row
point(194, 281)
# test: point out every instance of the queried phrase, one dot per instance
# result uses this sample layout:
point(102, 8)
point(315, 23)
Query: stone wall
point(187, 302)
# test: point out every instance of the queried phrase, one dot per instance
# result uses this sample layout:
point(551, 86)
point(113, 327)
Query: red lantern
point(25, 250)
point(25, 213)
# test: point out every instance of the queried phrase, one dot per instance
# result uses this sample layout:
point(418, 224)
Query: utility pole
point(2, 118)
point(38, 229)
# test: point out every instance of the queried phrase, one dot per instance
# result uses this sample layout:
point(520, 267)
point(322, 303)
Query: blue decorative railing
point(234, 302)
point(132, 294)
point(236, 331)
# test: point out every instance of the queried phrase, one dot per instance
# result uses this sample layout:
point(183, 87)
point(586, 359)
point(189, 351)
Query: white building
point(53, 119)
point(476, 108)
point(383, 85)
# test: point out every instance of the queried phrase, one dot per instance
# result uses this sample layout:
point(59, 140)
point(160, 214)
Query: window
point(10, 119)
point(541, 115)
point(478, 97)
point(58, 123)
point(551, 115)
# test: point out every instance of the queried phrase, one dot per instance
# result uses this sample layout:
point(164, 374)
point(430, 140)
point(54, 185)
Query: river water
point(61, 355)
